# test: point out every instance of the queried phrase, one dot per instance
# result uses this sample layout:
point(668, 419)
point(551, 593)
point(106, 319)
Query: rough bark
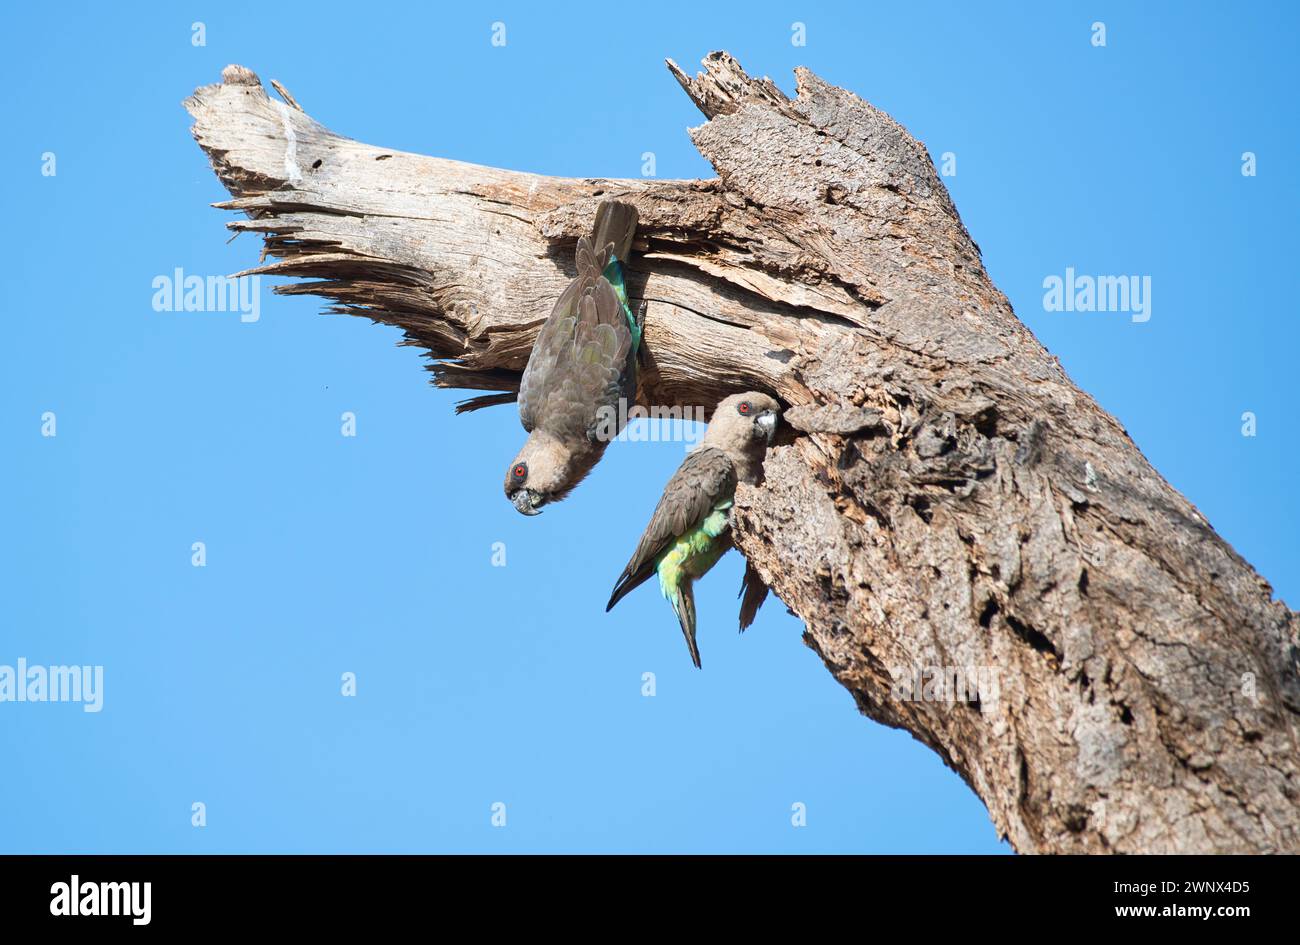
point(947, 497)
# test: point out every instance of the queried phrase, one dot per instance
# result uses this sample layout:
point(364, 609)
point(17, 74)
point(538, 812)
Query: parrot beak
point(527, 501)
point(766, 422)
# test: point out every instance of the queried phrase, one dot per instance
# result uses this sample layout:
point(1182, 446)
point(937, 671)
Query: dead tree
point(949, 498)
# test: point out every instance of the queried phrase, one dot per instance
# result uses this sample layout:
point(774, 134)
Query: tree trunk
point(948, 500)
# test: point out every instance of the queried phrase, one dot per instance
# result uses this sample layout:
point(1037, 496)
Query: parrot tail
point(615, 223)
point(754, 592)
point(684, 606)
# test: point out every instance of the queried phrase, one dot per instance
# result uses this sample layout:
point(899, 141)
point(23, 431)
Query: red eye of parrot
point(744, 408)
point(520, 471)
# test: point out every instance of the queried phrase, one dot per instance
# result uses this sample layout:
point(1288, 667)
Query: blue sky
point(372, 554)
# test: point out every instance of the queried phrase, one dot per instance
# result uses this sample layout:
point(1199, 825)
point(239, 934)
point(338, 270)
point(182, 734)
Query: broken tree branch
point(950, 499)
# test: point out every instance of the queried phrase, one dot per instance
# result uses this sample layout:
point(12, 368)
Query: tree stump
point(946, 498)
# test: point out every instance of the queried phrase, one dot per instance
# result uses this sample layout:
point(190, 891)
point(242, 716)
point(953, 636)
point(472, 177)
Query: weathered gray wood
point(948, 498)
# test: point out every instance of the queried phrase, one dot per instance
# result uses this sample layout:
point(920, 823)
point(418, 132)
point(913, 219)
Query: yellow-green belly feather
point(694, 553)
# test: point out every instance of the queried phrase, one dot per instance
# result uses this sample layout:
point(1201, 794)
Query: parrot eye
point(520, 472)
point(744, 408)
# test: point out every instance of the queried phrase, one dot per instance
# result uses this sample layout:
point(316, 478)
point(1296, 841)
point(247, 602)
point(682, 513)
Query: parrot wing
point(705, 478)
point(580, 358)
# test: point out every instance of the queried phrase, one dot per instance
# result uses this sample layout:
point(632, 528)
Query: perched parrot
point(691, 527)
point(583, 363)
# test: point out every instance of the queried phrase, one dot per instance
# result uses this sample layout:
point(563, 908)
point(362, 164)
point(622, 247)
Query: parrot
point(583, 362)
point(691, 526)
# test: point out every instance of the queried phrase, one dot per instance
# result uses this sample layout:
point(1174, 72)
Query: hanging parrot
point(691, 527)
point(583, 363)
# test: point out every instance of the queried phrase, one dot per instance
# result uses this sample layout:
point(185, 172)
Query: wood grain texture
point(944, 497)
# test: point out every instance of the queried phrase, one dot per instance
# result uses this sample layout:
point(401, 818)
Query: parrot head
point(742, 419)
point(743, 426)
point(546, 470)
